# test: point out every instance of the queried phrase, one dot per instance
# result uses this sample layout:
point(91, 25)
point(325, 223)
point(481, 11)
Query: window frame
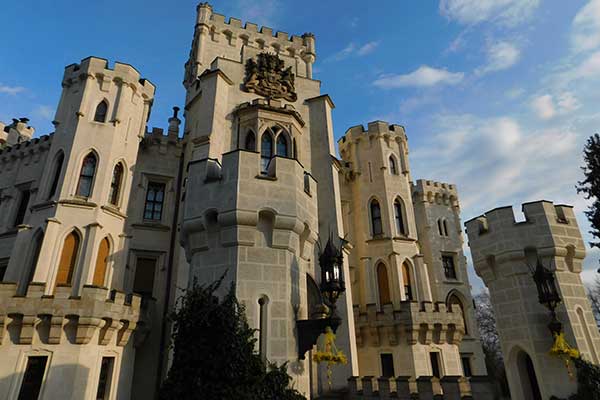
point(92, 178)
point(447, 275)
point(114, 195)
point(21, 206)
point(141, 254)
point(22, 366)
point(154, 202)
point(393, 165)
point(399, 217)
point(379, 218)
point(95, 118)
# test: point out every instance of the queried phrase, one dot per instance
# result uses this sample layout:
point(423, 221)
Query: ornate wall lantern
point(548, 294)
point(332, 286)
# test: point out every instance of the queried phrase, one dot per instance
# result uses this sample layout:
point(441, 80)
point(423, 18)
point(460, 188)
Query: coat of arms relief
point(268, 77)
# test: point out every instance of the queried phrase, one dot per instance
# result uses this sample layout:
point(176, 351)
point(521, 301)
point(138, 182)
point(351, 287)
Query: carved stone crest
point(268, 77)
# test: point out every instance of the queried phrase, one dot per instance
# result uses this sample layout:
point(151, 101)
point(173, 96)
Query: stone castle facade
point(102, 221)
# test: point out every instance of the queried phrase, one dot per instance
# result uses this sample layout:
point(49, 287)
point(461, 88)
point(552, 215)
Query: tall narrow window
point(282, 145)
point(263, 326)
point(250, 141)
point(406, 281)
point(33, 378)
point(448, 264)
point(434, 356)
point(56, 175)
point(466, 364)
point(86, 177)
point(36, 248)
point(68, 260)
point(101, 263)
point(266, 151)
point(155, 197)
point(143, 283)
point(376, 218)
point(383, 285)
point(399, 217)
point(295, 149)
point(445, 227)
point(439, 224)
point(115, 185)
point(387, 365)
point(393, 167)
point(101, 111)
point(105, 379)
point(453, 299)
point(22, 210)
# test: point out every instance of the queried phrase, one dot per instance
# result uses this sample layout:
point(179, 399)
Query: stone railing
point(422, 388)
point(97, 313)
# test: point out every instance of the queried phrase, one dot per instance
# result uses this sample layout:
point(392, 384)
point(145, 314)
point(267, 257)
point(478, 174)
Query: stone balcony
point(98, 314)
point(423, 323)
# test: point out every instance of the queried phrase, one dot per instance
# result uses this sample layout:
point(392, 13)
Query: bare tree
point(490, 341)
point(593, 292)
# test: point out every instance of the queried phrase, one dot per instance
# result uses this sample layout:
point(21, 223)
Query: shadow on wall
point(58, 382)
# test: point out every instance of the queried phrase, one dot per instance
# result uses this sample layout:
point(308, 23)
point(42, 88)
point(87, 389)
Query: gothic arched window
point(86, 176)
point(56, 174)
point(68, 260)
point(101, 111)
point(453, 299)
point(406, 281)
point(383, 285)
point(250, 141)
point(399, 217)
point(282, 145)
point(115, 184)
point(376, 225)
point(266, 151)
point(101, 263)
point(393, 167)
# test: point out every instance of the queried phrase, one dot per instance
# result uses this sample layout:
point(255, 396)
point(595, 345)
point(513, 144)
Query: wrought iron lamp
point(547, 293)
point(332, 286)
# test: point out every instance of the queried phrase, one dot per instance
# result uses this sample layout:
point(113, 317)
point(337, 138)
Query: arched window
point(56, 175)
point(68, 260)
point(406, 281)
point(399, 217)
point(86, 177)
point(439, 224)
point(282, 145)
point(266, 151)
point(101, 263)
point(445, 227)
point(34, 256)
point(263, 326)
point(453, 299)
point(393, 167)
point(101, 111)
point(383, 285)
point(250, 141)
point(115, 184)
point(376, 226)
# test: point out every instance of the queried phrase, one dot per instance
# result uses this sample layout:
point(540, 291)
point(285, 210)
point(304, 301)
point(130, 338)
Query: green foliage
point(214, 355)
point(590, 186)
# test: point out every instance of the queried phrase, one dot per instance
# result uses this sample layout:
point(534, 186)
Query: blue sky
point(497, 96)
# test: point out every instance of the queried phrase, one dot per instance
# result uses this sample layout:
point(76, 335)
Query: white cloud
point(352, 49)
point(586, 27)
point(424, 76)
point(45, 112)
point(547, 107)
point(261, 12)
point(590, 67)
point(500, 56)
point(505, 12)
point(543, 106)
point(11, 90)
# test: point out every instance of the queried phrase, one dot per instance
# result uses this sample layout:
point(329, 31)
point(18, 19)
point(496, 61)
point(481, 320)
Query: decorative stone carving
point(268, 78)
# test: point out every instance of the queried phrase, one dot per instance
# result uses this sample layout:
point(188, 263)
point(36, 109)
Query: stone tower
point(404, 325)
point(261, 181)
point(502, 249)
point(65, 236)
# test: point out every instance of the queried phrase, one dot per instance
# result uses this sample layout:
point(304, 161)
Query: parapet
point(95, 311)
point(30, 148)
point(156, 136)
point(435, 192)
point(98, 68)
point(373, 128)
point(423, 323)
point(249, 33)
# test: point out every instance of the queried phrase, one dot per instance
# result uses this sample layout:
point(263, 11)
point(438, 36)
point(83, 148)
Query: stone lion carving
point(268, 77)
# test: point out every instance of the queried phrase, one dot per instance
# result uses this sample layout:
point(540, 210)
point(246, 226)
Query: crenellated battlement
point(496, 237)
point(97, 68)
point(97, 314)
point(423, 323)
point(375, 128)
point(435, 192)
point(236, 33)
point(156, 136)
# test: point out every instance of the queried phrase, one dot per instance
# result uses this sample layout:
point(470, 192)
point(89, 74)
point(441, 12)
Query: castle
point(103, 221)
